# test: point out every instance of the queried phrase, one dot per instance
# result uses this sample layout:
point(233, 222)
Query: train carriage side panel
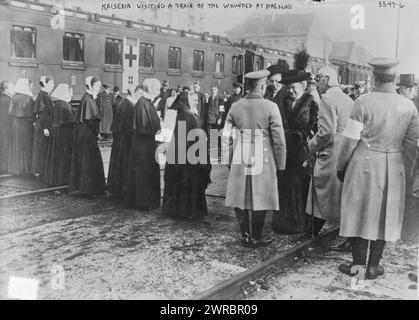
point(49, 56)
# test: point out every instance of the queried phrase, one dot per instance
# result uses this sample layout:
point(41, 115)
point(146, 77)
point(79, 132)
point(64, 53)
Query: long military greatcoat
point(252, 183)
point(334, 111)
point(377, 151)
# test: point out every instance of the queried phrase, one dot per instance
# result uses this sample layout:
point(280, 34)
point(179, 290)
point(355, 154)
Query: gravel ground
point(315, 276)
point(110, 252)
point(6, 191)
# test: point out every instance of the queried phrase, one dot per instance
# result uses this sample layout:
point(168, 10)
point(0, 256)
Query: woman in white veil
point(21, 134)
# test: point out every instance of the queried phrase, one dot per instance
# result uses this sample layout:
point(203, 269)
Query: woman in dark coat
point(43, 124)
point(57, 168)
point(121, 145)
point(299, 113)
point(6, 94)
point(87, 173)
point(185, 183)
point(143, 181)
point(21, 133)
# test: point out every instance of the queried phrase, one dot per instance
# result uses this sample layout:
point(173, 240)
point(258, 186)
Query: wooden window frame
point(34, 31)
point(83, 50)
point(179, 49)
point(147, 44)
point(114, 40)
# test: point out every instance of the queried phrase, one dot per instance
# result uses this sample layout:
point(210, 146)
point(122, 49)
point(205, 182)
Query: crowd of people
point(336, 160)
point(327, 156)
point(46, 137)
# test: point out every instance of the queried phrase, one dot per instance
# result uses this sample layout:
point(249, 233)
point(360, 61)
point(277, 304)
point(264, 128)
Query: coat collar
point(386, 88)
point(131, 99)
point(44, 90)
point(332, 90)
point(254, 95)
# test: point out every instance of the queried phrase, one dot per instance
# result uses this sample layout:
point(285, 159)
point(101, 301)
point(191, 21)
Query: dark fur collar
point(302, 103)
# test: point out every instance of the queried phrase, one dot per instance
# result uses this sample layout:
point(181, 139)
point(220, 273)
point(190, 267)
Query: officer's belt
point(382, 149)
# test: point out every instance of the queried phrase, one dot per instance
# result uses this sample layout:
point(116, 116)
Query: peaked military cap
point(255, 75)
point(384, 66)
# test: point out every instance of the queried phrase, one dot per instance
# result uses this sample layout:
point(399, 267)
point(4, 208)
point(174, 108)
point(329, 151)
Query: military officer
point(253, 123)
point(407, 89)
point(381, 134)
point(334, 110)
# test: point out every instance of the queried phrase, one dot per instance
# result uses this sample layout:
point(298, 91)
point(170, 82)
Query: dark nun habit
point(21, 134)
point(121, 146)
point(57, 168)
point(185, 183)
point(87, 173)
point(43, 112)
point(143, 180)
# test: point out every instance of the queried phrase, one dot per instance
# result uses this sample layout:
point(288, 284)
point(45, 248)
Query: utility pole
point(398, 28)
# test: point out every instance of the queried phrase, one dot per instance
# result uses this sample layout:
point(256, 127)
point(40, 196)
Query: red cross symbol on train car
point(130, 56)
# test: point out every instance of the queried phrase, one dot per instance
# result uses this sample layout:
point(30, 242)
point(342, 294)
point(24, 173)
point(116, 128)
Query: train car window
point(175, 54)
point(258, 63)
point(198, 60)
point(23, 42)
point(234, 65)
point(113, 51)
point(219, 63)
point(303, 44)
point(277, 44)
point(73, 47)
point(286, 44)
point(268, 43)
point(147, 55)
point(240, 65)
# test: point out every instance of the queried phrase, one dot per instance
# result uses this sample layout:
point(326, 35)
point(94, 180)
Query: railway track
point(235, 287)
point(15, 186)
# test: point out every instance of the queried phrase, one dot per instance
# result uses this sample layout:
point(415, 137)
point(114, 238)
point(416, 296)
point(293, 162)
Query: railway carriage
point(70, 44)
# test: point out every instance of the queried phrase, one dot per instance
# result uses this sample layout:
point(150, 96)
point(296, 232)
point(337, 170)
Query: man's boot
point(342, 247)
point(243, 218)
point(359, 256)
point(258, 220)
point(376, 252)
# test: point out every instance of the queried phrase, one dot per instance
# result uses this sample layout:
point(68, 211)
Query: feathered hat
point(299, 73)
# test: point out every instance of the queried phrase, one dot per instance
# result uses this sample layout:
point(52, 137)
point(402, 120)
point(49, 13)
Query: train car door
point(131, 56)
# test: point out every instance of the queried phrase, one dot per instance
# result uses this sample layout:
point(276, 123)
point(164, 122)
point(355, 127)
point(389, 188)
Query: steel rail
point(231, 289)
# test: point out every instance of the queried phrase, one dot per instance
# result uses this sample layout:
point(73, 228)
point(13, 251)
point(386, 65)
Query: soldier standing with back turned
point(378, 149)
point(256, 153)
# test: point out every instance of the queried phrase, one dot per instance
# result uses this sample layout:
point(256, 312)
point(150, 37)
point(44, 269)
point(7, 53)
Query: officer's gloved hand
point(341, 175)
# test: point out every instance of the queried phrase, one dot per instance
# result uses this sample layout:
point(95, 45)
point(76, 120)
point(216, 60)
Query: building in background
point(288, 32)
point(351, 59)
